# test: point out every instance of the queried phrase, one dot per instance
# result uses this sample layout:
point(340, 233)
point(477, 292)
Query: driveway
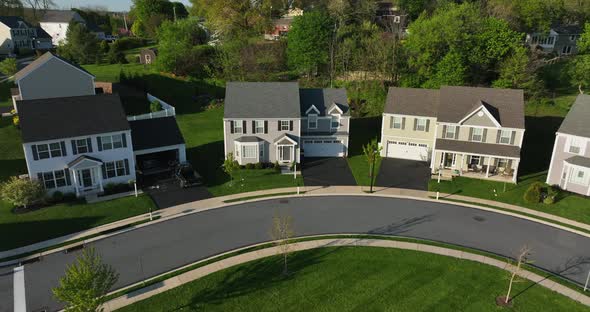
point(402, 173)
point(166, 192)
point(158, 248)
point(327, 172)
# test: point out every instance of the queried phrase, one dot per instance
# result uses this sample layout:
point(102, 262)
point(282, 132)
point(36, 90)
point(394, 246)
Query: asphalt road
point(167, 245)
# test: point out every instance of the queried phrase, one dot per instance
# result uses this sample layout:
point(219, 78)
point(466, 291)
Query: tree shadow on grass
point(363, 130)
point(538, 143)
point(12, 167)
point(207, 159)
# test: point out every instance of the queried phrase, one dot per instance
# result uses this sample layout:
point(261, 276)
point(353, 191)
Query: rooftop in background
point(45, 119)
point(568, 29)
point(60, 16)
point(262, 100)
point(40, 61)
point(577, 121)
point(155, 132)
point(13, 21)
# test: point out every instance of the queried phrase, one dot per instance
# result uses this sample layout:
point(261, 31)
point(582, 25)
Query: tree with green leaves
point(11, 8)
point(150, 14)
point(579, 68)
point(584, 40)
point(21, 192)
point(115, 54)
point(86, 282)
point(8, 66)
point(230, 166)
point(519, 71)
point(309, 42)
point(281, 233)
point(81, 46)
point(372, 152)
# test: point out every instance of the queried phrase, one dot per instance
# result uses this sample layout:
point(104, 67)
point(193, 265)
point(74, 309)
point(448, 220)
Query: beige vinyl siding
point(408, 131)
point(480, 121)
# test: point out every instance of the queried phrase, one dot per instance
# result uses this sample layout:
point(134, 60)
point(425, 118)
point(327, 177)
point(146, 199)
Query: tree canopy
point(309, 41)
point(81, 45)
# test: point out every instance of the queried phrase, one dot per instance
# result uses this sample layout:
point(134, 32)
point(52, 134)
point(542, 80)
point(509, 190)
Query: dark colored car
point(187, 176)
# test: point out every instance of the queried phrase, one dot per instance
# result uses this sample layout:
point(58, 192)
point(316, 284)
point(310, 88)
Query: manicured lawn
point(23, 229)
point(5, 96)
point(362, 131)
point(12, 159)
point(356, 279)
point(569, 205)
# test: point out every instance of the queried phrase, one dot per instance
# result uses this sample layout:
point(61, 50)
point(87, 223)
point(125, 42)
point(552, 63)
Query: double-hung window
point(120, 167)
point(575, 146)
point(249, 151)
point(49, 180)
point(285, 125)
point(82, 146)
point(312, 121)
point(579, 177)
point(238, 126)
point(259, 126)
point(505, 136)
point(114, 169)
point(43, 151)
point(335, 122)
point(451, 131)
point(54, 179)
point(109, 142)
point(55, 149)
point(420, 124)
point(477, 135)
point(395, 122)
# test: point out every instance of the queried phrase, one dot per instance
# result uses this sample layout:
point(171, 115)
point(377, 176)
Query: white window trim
point(502, 136)
point(332, 121)
point(241, 126)
point(480, 135)
point(256, 126)
point(312, 107)
point(418, 121)
point(85, 144)
point(446, 135)
point(254, 152)
point(574, 179)
point(583, 145)
point(394, 118)
point(309, 118)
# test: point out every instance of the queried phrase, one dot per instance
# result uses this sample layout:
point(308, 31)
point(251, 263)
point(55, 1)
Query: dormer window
point(312, 121)
point(335, 122)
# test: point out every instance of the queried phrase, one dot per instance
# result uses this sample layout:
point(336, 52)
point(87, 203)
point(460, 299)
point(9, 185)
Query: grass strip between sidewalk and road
point(235, 200)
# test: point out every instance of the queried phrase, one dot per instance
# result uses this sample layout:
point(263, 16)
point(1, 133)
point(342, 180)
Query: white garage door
point(324, 147)
point(407, 150)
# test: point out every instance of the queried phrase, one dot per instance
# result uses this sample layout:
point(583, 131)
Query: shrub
point(155, 106)
point(22, 192)
point(104, 46)
point(57, 196)
point(250, 166)
point(552, 193)
point(259, 166)
point(69, 197)
point(549, 200)
point(127, 43)
point(277, 166)
point(8, 66)
point(533, 193)
point(16, 121)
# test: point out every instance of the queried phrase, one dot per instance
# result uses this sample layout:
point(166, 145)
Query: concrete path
point(195, 274)
point(20, 303)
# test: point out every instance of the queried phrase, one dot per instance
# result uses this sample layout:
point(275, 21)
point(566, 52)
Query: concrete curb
point(149, 291)
point(218, 202)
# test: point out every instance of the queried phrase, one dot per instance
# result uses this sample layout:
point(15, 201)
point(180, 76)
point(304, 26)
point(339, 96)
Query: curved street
point(161, 247)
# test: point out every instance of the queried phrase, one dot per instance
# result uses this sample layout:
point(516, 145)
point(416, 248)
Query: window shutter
point(279, 123)
point(415, 124)
point(68, 177)
point(266, 126)
point(99, 143)
point(40, 176)
point(498, 137)
point(470, 134)
point(444, 132)
point(253, 126)
point(244, 127)
point(231, 126)
point(74, 148)
point(124, 139)
point(457, 132)
point(126, 166)
point(89, 142)
point(291, 125)
point(34, 150)
point(427, 124)
point(104, 171)
point(512, 137)
point(403, 123)
point(391, 122)
point(64, 152)
point(484, 139)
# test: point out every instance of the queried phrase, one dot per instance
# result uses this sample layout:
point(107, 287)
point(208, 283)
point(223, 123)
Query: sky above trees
point(112, 5)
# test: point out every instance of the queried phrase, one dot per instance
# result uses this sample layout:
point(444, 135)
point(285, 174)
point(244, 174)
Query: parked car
point(187, 176)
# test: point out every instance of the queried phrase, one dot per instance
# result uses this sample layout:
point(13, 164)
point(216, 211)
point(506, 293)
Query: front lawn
point(19, 230)
point(568, 205)
point(356, 279)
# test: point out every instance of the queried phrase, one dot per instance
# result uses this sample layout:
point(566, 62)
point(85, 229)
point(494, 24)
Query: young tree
point(579, 69)
point(81, 45)
point(372, 152)
point(115, 54)
point(8, 66)
point(230, 166)
point(515, 270)
point(281, 233)
point(309, 41)
point(584, 41)
point(86, 282)
point(21, 192)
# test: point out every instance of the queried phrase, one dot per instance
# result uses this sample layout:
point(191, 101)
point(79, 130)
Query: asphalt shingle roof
point(579, 161)
point(323, 100)
point(478, 148)
point(13, 21)
point(155, 132)
point(60, 118)
point(58, 16)
point(410, 101)
point(262, 100)
point(577, 121)
point(40, 61)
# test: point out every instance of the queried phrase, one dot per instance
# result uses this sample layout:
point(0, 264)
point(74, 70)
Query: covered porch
point(477, 166)
point(286, 150)
point(86, 174)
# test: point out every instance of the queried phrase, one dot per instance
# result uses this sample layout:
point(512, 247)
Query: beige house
point(459, 131)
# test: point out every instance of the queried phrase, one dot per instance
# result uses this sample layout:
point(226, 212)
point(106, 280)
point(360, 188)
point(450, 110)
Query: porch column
point(75, 174)
point(567, 176)
point(515, 171)
point(442, 160)
point(99, 175)
point(488, 167)
point(462, 164)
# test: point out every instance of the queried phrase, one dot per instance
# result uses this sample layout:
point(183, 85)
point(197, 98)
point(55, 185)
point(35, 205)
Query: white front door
point(407, 150)
point(285, 153)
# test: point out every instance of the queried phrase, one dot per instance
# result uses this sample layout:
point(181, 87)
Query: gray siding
point(324, 125)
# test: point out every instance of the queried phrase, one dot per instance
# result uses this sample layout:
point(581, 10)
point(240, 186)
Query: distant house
point(281, 26)
point(148, 56)
point(43, 41)
point(37, 80)
point(56, 23)
point(391, 17)
point(561, 40)
point(570, 161)
point(16, 35)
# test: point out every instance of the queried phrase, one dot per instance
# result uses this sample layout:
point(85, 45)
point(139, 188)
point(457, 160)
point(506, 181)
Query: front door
point(86, 178)
point(449, 160)
point(285, 153)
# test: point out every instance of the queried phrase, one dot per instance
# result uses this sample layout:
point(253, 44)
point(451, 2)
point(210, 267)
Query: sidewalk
point(190, 276)
point(218, 202)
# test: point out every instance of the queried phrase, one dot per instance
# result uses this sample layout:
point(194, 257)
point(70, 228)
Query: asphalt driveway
point(327, 172)
point(401, 173)
point(166, 192)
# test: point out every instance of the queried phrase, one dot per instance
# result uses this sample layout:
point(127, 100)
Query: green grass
point(568, 205)
point(12, 158)
point(355, 278)
point(5, 95)
point(362, 131)
point(62, 219)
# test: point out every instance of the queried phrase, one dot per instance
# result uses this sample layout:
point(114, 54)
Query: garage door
point(407, 150)
point(325, 147)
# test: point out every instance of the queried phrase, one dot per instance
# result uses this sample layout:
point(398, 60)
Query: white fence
point(167, 110)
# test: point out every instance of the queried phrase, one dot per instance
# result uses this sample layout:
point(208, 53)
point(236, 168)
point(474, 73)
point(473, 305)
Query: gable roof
point(13, 21)
point(323, 100)
point(155, 132)
point(412, 101)
point(506, 105)
point(40, 61)
point(577, 120)
point(59, 118)
point(60, 16)
point(573, 29)
point(262, 100)
point(41, 33)
point(487, 109)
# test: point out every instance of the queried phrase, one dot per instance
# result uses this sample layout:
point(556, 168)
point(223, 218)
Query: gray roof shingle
point(60, 118)
point(155, 132)
point(40, 61)
point(577, 121)
point(478, 148)
point(411, 101)
point(13, 21)
point(323, 100)
point(59, 16)
point(262, 100)
point(579, 161)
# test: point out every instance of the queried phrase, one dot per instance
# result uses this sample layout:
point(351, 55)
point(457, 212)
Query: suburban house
point(278, 121)
point(459, 131)
point(391, 17)
point(570, 162)
point(16, 35)
point(97, 146)
point(56, 23)
point(43, 40)
point(148, 56)
point(281, 26)
point(561, 40)
point(37, 80)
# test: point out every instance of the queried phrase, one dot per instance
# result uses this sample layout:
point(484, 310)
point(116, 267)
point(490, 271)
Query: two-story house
point(56, 23)
point(37, 80)
point(459, 131)
point(17, 35)
point(278, 121)
point(570, 161)
point(561, 39)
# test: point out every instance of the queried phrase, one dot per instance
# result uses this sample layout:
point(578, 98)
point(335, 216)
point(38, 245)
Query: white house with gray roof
point(279, 122)
point(570, 161)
